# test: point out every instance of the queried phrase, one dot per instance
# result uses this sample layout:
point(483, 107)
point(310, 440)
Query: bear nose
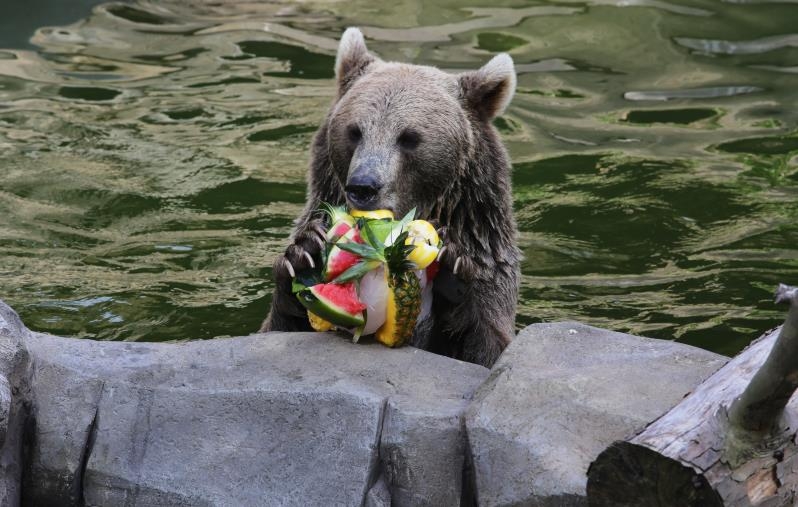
point(362, 189)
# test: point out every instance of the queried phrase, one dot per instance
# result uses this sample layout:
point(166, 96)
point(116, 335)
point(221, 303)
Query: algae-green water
point(152, 156)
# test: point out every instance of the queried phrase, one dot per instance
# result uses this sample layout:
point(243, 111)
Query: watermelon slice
point(338, 230)
point(335, 303)
point(341, 221)
point(339, 260)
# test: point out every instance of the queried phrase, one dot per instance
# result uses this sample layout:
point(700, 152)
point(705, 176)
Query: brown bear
point(400, 136)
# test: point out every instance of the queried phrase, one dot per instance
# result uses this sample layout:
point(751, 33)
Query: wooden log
point(732, 442)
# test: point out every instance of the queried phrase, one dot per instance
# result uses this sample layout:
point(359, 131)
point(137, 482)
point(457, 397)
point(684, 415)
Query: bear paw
point(461, 265)
point(303, 253)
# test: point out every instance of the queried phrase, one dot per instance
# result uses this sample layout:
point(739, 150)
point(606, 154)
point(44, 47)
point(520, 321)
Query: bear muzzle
point(363, 189)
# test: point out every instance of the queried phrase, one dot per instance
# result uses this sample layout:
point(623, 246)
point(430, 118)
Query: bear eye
point(354, 134)
point(409, 139)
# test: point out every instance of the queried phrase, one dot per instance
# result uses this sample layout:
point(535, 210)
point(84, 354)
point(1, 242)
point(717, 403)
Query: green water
point(152, 157)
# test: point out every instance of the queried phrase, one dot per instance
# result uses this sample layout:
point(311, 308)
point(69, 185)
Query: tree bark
point(732, 442)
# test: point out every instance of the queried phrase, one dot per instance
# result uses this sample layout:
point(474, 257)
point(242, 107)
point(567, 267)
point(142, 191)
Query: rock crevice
point(84, 459)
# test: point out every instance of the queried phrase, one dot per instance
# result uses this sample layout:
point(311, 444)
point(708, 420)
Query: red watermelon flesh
point(338, 230)
point(343, 296)
point(339, 260)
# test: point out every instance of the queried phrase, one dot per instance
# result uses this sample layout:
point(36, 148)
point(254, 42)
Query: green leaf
point(326, 209)
point(380, 229)
point(325, 254)
point(409, 217)
point(400, 241)
point(357, 271)
point(365, 251)
point(368, 234)
point(359, 331)
point(297, 286)
point(335, 213)
point(400, 226)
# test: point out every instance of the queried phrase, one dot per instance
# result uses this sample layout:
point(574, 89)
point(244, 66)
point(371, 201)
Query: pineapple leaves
point(407, 218)
point(396, 254)
point(368, 252)
point(383, 243)
point(357, 271)
point(334, 213)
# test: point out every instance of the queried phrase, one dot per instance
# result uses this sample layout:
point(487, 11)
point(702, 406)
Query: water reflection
point(154, 155)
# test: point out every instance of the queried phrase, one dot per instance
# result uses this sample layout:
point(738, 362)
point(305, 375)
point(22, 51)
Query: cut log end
point(627, 474)
point(732, 442)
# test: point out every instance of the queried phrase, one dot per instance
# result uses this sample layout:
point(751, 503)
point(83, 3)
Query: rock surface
point(311, 419)
point(558, 396)
point(299, 418)
point(14, 402)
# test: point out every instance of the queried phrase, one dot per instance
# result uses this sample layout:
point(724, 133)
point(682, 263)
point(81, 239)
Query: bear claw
point(464, 268)
point(309, 258)
point(320, 235)
point(289, 267)
point(313, 231)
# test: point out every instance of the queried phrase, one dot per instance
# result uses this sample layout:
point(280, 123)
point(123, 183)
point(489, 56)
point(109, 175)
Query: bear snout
point(363, 188)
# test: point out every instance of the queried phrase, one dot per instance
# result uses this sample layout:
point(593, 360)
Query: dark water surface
point(152, 156)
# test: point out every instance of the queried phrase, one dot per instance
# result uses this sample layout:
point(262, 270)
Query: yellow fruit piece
point(424, 237)
point(377, 213)
point(422, 230)
point(403, 307)
point(318, 324)
point(386, 334)
point(423, 255)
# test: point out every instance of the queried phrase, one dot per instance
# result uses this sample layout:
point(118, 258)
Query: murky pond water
point(152, 157)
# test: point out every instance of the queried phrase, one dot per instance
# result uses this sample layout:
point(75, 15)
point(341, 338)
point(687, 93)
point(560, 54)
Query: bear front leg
point(287, 313)
point(487, 321)
point(479, 326)
point(474, 308)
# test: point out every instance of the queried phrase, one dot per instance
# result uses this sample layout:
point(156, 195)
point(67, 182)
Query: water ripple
point(154, 158)
point(745, 47)
point(693, 93)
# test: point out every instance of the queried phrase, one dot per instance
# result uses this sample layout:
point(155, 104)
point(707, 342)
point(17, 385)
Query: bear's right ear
point(487, 91)
point(352, 59)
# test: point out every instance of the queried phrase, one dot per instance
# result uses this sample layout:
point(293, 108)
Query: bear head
point(399, 135)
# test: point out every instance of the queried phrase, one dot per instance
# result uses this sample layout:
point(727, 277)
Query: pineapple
point(404, 305)
point(404, 295)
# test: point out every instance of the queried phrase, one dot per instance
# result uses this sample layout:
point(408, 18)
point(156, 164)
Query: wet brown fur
point(459, 177)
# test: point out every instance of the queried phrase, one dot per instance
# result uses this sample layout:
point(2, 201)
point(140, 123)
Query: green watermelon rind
point(329, 311)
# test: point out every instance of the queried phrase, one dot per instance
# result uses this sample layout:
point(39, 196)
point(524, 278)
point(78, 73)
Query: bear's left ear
point(352, 59)
point(487, 91)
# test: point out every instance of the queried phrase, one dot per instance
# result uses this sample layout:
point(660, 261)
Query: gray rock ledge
point(312, 419)
point(559, 395)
